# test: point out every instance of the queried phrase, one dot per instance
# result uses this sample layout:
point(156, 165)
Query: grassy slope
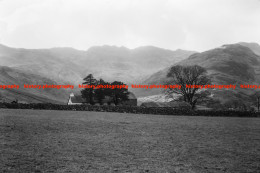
point(229, 64)
point(63, 141)
point(10, 76)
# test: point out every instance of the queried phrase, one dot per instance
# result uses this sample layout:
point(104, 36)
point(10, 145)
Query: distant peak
point(255, 47)
point(108, 47)
point(249, 43)
point(146, 47)
point(149, 48)
point(71, 48)
point(1, 45)
point(182, 50)
point(226, 46)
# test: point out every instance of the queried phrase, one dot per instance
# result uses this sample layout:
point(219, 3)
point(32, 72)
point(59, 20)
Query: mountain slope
point(9, 76)
point(107, 62)
point(229, 64)
point(129, 65)
point(70, 66)
point(42, 62)
point(253, 46)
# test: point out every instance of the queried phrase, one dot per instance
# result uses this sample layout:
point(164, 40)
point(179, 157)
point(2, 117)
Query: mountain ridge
point(233, 63)
point(228, 64)
point(70, 66)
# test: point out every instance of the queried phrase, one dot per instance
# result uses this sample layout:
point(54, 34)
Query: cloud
point(195, 25)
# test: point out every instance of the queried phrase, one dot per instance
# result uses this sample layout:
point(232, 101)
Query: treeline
point(103, 95)
point(132, 109)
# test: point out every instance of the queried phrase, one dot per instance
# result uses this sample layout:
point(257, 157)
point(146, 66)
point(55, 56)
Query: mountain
point(10, 76)
point(253, 46)
point(228, 64)
point(129, 65)
point(43, 62)
point(70, 66)
point(107, 62)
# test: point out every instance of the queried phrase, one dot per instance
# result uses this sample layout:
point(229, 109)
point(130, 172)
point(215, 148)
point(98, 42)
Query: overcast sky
point(186, 24)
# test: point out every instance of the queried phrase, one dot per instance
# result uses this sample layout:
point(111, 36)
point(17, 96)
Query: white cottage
point(75, 100)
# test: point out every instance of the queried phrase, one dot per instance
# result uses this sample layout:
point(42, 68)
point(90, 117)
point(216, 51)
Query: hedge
point(132, 109)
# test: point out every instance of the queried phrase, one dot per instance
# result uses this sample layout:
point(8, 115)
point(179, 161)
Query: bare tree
point(188, 75)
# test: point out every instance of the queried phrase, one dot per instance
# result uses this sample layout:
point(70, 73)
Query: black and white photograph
point(130, 86)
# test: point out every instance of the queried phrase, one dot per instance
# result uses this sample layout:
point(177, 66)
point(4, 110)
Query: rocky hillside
point(228, 64)
point(70, 66)
point(10, 76)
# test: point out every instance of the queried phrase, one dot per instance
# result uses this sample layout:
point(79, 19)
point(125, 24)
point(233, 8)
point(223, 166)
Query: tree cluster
point(97, 95)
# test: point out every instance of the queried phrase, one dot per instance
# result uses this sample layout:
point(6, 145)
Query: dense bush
point(2, 105)
point(132, 109)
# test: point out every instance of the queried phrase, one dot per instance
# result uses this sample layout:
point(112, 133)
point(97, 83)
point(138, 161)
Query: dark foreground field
point(70, 141)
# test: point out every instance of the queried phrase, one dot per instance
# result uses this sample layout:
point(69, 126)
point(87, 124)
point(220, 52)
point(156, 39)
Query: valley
point(232, 64)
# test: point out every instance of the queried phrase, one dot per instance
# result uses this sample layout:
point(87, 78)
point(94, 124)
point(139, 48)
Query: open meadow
point(74, 141)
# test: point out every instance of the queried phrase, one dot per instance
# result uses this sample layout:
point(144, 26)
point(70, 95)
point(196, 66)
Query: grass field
point(70, 141)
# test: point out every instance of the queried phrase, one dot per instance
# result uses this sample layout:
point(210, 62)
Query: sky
point(196, 25)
